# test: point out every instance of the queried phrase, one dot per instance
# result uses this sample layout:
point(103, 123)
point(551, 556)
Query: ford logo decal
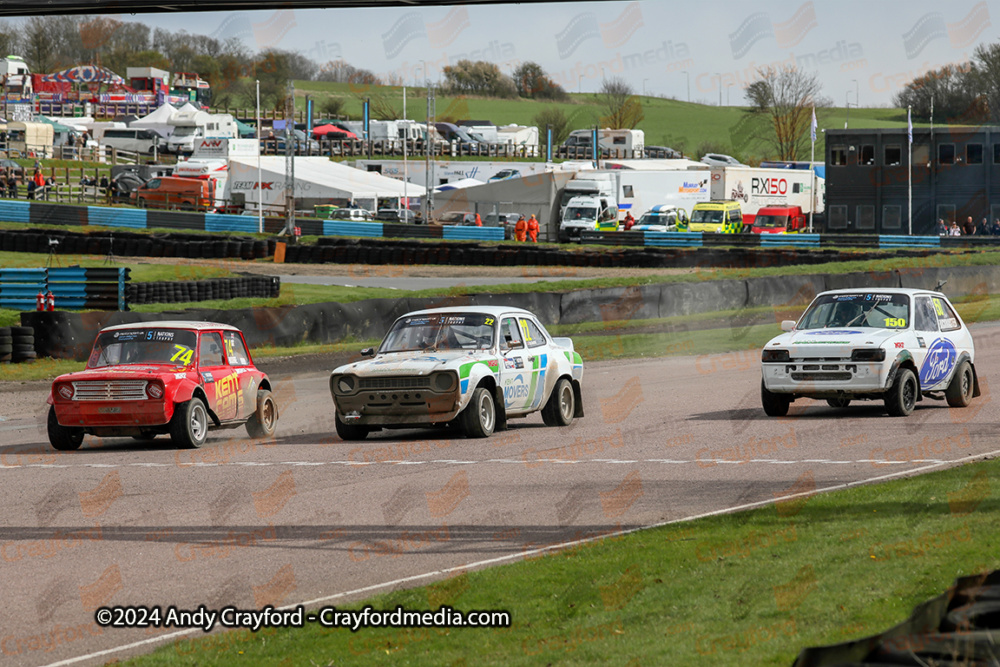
point(940, 360)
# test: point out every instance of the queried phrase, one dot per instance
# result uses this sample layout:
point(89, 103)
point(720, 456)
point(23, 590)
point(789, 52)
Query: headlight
point(65, 391)
point(441, 382)
point(870, 354)
point(774, 355)
point(346, 384)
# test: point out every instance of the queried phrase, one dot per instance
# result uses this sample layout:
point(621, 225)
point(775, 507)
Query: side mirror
point(368, 352)
point(787, 325)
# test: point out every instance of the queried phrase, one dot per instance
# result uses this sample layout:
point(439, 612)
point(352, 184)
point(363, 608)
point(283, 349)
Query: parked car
point(132, 139)
point(302, 143)
point(474, 366)
point(151, 378)
point(662, 218)
point(506, 220)
point(457, 218)
point(720, 160)
point(661, 153)
point(352, 215)
point(175, 192)
point(396, 215)
point(894, 345)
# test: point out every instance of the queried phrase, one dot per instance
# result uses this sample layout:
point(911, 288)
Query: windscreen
point(861, 309)
point(143, 346)
point(704, 216)
point(771, 221)
point(440, 331)
point(580, 213)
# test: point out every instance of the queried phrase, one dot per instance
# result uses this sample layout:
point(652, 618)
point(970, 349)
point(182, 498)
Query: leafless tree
point(622, 108)
point(787, 96)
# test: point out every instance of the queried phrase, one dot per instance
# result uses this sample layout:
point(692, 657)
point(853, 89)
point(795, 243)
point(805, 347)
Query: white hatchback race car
point(897, 345)
point(473, 366)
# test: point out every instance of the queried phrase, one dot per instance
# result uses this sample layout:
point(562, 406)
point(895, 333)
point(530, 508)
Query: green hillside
point(690, 128)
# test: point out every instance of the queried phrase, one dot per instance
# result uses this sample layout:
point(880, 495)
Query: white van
point(128, 139)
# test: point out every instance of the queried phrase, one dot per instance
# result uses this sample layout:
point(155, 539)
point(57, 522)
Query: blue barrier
point(105, 216)
point(19, 287)
point(793, 240)
point(468, 233)
point(673, 239)
point(73, 288)
point(15, 211)
point(343, 228)
point(890, 241)
point(221, 222)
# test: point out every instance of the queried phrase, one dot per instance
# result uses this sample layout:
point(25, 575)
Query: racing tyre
point(959, 392)
point(838, 402)
point(902, 396)
point(349, 432)
point(561, 406)
point(189, 426)
point(63, 438)
point(480, 416)
point(775, 405)
point(261, 424)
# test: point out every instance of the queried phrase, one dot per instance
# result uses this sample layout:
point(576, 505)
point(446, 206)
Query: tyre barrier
point(215, 289)
point(132, 244)
point(18, 345)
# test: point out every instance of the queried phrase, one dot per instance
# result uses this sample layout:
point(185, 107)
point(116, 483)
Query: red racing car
point(149, 378)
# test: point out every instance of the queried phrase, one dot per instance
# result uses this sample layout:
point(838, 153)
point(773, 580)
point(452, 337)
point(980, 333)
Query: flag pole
point(909, 168)
point(812, 170)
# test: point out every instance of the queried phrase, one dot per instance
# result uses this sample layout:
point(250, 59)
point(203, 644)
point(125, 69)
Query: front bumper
point(98, 414)
point(396, 405)
point(825, 378)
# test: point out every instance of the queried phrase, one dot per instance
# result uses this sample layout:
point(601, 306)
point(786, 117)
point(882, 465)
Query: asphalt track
point(307, 518)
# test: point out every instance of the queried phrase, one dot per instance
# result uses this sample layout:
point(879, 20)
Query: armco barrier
point(793, 240)
point(889, 241)
point(72, 288)
point(460, 233)
point(673, 239)
point(69, 335)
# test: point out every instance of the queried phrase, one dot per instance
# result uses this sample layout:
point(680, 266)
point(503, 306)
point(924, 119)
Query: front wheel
point(902, 395)
point(479, 417)
point(262, 422)
point(61, 437)
point(775, 405)
point(561, 406)
point(348, 432)
point(959, 392)
point(189, 426)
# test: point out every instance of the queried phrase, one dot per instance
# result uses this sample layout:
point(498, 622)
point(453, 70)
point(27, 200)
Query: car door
point(220, 381)
point(537, 360)
point(927, 338)
point(248, 377)
point(515, 371)
point(954, 339)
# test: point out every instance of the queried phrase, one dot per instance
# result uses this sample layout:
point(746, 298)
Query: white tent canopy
point(317, 180)
point(156, 121)
point(458, 185)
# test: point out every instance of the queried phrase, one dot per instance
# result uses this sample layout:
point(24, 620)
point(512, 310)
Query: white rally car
point(897, 345)
point(475, 366)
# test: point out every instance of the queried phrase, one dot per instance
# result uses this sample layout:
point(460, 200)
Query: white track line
point(532, 552)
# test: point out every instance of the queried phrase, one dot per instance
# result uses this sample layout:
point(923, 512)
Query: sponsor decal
point(940, 360)
point(832, 332)
point(900, 345)
point(509, 363)
point(492, 363)
point(517, 389)
point(207, 377)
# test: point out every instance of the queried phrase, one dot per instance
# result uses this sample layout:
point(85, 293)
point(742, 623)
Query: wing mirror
point(368, 352)
point(787, 325)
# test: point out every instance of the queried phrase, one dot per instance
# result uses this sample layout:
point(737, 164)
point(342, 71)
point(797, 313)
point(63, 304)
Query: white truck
point(640, 191)
point(15, 77)
point(190, 126)
point(755, 188)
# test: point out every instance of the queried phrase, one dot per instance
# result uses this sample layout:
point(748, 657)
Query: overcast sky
point(863, 51)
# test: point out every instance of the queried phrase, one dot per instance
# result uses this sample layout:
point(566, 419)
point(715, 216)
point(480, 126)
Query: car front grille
point(395, 383)
point(110, 390)
point(821, 376)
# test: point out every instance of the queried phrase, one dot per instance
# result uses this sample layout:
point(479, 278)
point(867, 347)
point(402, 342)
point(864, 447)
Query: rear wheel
point(261, 424)
point(959, 392)
point(902, 395)
point(775, 405)
point(350, 432)
point(838, 402)
point(559, 409)
point(479, 417)
point(189, 426)
point(61, 437)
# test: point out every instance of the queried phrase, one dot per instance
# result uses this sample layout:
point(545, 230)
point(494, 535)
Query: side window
point(735, 216)
point(923, 315)
point(236, 351)
point(510, 336)
point(946, 316)
point(153, 184)
point(532, 334)
point(210, 350)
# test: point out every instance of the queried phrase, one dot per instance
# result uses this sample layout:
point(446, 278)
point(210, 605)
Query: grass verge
point(751, 588)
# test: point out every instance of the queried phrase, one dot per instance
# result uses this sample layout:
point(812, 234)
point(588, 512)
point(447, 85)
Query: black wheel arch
point(904, 360)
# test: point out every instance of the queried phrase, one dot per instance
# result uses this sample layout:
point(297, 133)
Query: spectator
point(31, 189)
point(521, 230)
point(12, 186)
point(969, 228)
point(955, 230)
point(995, 229)
point(942, 229)
point(983, 228)
point(479, 221)
point(629, 221)
point(533, 228)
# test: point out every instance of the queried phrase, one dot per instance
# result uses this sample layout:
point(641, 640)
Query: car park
point(171, 377)
point(896, 345)
point(474, 367)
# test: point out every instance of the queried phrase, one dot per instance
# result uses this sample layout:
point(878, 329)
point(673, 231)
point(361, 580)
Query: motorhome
point(614, 142)
point(15, 77)
point(190, 126)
